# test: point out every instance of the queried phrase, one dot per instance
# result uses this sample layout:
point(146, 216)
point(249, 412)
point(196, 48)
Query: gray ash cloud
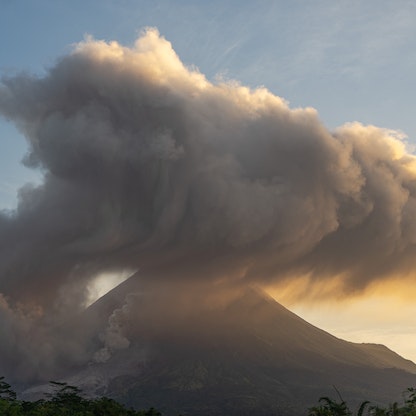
point(149, 165)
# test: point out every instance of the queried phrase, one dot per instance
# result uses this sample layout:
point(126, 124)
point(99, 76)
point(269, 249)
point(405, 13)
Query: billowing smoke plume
point(114, 336)
point(149, 165)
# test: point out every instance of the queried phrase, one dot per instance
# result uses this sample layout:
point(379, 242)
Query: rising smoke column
point(149, 165)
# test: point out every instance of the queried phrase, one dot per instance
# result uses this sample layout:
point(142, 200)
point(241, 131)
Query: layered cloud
point(149, 165)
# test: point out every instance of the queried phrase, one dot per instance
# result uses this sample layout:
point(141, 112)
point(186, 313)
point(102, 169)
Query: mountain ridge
point(230, 357)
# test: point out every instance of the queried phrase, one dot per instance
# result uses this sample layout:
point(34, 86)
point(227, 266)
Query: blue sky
point(351, 60)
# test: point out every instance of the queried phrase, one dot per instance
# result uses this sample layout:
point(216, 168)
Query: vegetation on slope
point(67, 400)
point(330, 407)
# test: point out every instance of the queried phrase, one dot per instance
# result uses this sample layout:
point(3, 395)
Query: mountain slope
point(248, 354)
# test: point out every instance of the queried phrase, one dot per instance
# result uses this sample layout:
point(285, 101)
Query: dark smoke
point(148, 165)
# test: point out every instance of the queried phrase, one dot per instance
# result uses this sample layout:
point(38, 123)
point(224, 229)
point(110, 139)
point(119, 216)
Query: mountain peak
point(226, 352)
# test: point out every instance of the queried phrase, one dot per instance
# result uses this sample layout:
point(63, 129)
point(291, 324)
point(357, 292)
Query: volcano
point(246, 355)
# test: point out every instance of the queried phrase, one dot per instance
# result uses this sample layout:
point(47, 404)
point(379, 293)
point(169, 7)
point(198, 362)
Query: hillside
point(232, 358)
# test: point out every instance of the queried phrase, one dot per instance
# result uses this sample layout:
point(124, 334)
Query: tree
point(5, 391)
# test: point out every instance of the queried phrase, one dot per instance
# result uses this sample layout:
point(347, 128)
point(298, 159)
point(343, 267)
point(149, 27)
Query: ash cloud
point(114, 336)
point(149, 165)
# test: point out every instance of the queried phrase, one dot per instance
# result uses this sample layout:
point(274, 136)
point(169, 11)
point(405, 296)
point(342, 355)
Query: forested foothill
point(67, 400)
point(330, 407)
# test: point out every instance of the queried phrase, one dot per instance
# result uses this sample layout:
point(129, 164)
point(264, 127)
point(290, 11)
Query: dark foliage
point(330, 407)
point(65, 400)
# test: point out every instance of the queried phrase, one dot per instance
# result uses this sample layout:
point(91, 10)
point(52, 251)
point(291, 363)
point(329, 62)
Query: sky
point(351, 61)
